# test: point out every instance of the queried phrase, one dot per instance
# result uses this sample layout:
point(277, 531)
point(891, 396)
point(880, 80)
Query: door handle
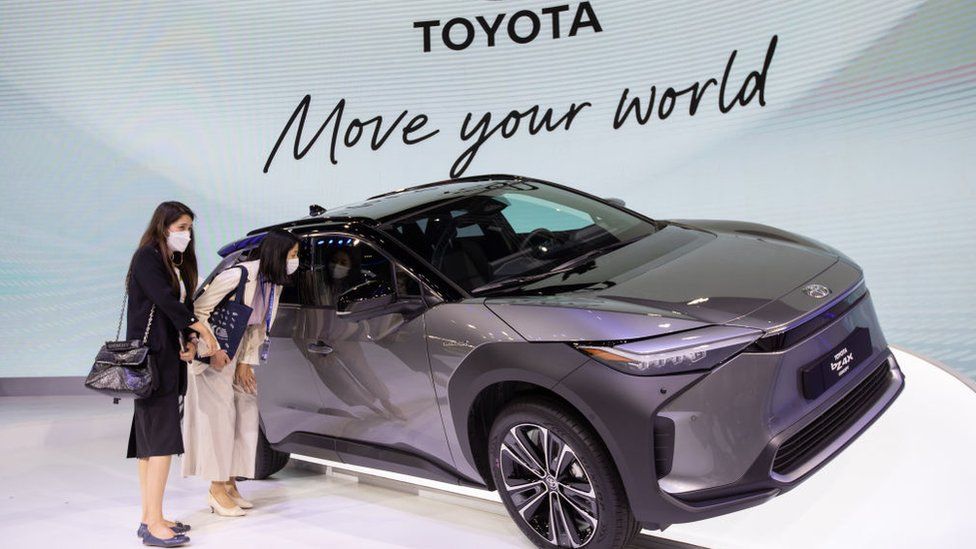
point(319, 347)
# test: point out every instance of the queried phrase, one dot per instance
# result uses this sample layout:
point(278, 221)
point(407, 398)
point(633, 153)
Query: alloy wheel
point(548, 485)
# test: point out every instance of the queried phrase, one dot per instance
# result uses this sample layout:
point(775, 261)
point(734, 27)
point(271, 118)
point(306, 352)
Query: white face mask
point(291, 265)
point(178, 241)
point(339, 271)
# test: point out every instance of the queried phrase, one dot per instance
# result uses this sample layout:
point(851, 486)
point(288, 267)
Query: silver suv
point(602, 370)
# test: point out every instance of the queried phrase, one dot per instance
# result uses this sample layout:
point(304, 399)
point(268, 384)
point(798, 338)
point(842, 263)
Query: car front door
point(360, 335)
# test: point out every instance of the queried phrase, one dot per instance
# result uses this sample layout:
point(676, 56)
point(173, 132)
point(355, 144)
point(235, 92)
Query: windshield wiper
point(518, 280)
point(565, 266)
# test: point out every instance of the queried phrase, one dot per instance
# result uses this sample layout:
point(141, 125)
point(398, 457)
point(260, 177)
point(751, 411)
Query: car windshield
point(502, 235)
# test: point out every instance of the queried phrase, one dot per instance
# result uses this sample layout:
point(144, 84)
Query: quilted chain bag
point(124, 368)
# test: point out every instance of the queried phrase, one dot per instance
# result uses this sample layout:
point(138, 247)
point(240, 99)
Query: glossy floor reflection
point(907, 482)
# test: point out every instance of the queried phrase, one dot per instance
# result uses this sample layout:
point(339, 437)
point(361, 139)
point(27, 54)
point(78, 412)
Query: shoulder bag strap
point(125, 300)
point(239, 293)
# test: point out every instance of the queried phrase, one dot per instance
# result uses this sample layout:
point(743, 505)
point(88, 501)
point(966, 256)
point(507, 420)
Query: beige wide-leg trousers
point(220, 425)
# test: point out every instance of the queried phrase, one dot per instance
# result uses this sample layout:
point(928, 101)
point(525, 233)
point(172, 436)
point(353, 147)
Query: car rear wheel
point(268, 460)
point(556, 479)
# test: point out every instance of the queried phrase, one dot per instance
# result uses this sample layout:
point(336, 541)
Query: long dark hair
point(273, 254)
point(165, 215)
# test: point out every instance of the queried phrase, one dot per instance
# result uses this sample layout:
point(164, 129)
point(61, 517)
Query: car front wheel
point(268, 460)
point(556, 479)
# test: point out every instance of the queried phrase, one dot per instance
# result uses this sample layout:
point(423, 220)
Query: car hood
point(676, 279)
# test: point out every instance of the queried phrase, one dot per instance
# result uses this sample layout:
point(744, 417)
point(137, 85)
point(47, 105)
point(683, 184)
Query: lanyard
point(266, 344)
point(267, 313)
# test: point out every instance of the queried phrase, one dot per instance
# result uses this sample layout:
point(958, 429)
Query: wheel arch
point(489, 404)
point(495, 375)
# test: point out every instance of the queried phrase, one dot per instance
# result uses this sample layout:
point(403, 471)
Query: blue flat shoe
point(178, 528)
point(174, 541)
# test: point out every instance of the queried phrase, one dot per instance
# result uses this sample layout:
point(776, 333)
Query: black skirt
point(155, 427)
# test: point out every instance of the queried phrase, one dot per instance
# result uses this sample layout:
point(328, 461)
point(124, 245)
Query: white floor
point(909, 481)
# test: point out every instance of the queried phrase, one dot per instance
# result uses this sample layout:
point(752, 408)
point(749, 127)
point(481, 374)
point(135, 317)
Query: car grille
point(806, 442)
point(784, 340)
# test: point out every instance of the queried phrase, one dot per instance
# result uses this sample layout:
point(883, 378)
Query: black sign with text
point(823, 374)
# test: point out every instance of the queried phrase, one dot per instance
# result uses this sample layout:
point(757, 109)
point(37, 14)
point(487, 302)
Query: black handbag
point(124, 368)
point(228, 321)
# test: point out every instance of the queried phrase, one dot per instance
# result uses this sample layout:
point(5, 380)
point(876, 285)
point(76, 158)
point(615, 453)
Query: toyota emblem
point(816, 291)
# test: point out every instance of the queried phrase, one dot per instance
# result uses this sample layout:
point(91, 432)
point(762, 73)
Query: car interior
point(485, 238)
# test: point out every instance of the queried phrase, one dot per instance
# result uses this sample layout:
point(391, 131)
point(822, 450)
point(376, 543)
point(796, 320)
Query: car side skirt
point(374, 456)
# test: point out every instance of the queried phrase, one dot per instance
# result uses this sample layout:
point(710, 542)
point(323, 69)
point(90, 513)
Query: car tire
point(591, 509)
point(268, 460)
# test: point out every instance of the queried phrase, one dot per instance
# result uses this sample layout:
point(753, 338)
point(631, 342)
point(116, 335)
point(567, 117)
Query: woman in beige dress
point(220, 431)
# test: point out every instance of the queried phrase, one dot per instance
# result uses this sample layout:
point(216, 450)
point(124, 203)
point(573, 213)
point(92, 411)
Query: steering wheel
point(540, 242)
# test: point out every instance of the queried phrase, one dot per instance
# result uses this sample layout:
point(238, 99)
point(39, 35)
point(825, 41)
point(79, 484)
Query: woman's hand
point(189, 352)
point(244, 376)
point(211, 341)
point(208, 343)
point(219, 359)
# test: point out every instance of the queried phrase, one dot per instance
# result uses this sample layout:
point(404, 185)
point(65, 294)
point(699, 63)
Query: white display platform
point(909, 482)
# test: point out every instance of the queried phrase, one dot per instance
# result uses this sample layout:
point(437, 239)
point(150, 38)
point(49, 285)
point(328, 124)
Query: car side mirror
point(365, 300)
point(619, 202)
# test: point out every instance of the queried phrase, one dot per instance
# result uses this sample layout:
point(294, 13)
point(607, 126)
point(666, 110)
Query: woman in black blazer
point(162, 277)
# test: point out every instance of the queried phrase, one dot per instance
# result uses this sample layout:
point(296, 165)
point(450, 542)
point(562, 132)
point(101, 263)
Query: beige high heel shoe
point(215, 507)
point(241, 502)
point(237, 497)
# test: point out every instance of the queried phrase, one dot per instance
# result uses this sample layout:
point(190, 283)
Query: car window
point(528, 213)
point(509, 231)
point(406, 285)
point(341, 262)
point(301, 288)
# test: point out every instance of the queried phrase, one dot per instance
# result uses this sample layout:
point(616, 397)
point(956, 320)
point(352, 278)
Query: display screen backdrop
point(850, 122)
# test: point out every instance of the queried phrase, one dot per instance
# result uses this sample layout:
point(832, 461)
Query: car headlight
point(698, 349)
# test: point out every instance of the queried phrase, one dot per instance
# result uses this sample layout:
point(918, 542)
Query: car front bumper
point(693, 446)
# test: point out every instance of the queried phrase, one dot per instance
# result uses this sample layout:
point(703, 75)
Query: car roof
point(385, 207)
